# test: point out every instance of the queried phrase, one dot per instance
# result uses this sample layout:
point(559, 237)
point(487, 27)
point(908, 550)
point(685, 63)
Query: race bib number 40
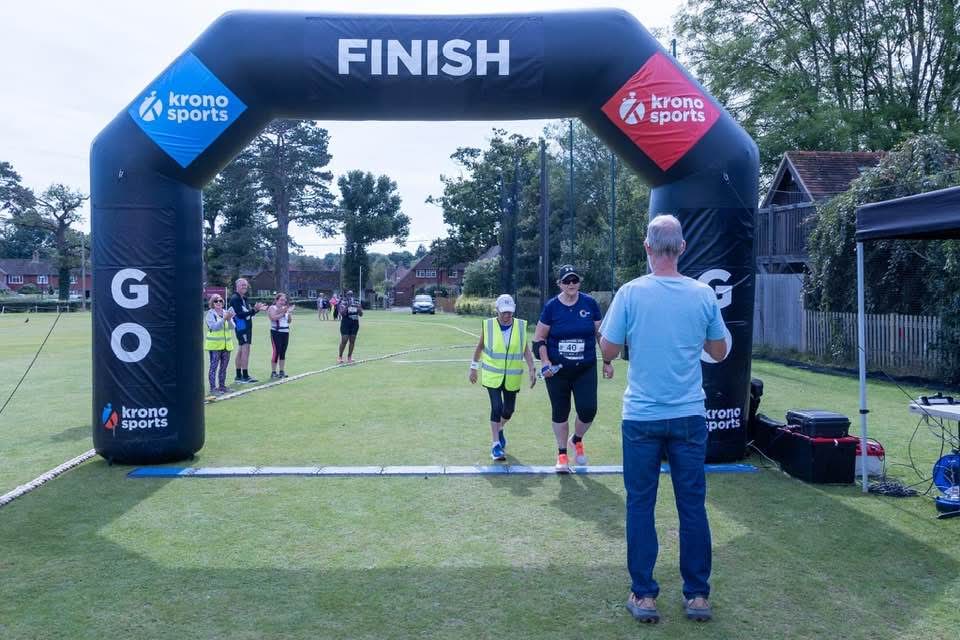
point(571, 349)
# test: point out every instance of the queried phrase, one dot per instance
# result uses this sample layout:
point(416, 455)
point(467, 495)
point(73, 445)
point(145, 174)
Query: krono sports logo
point(151, 107)
point(631, 109)
point(186, 109)
point(661, 111)
point(132, 418)
point(109, 418)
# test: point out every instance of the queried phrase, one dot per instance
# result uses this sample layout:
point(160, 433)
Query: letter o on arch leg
point(142, 349)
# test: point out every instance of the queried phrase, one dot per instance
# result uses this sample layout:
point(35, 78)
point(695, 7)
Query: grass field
point(94, 554)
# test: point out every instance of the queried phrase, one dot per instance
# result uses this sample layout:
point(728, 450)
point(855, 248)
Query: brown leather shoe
point(643, 609)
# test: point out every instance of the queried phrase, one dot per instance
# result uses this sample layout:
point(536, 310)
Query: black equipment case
point(818, 423)
point(764, 432)
point(817, 460)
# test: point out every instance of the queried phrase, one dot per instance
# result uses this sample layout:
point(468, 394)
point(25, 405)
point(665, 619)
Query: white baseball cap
point(505, 303)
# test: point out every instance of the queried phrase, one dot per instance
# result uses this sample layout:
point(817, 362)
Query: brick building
point(425, 273)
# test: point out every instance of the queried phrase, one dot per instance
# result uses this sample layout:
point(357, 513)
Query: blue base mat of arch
point(391, 471)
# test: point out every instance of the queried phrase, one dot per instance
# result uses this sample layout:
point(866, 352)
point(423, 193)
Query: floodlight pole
point(862, 356)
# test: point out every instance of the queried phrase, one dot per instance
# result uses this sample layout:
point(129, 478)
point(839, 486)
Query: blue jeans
point(685, 442)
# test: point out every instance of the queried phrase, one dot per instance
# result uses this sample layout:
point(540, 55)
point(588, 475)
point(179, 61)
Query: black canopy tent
point(934, 215)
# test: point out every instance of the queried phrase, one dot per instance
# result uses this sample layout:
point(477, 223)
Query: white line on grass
point(10, 496)
point(23, 489)
point(236, 394)
point(436, 324)
point(459, 360)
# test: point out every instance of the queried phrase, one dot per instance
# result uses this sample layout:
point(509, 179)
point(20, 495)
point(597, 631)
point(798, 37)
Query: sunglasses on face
point(571, 281)
point(218, 302)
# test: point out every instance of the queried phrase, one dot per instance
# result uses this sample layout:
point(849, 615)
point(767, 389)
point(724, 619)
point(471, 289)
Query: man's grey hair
point(665, 236)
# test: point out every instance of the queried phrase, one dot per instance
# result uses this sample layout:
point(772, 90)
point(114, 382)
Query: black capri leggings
point(582, 383)
point(502, 403)
point(280, 339)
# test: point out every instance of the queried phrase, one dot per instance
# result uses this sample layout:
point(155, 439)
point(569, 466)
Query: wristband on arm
point(475, 365)
point(536, 348)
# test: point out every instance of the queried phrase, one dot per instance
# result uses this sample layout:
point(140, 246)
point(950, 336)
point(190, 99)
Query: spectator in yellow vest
point(219, 344)
point(503, 344)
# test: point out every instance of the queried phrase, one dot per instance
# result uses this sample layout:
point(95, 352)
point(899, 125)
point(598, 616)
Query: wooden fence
point(897, 344)
point(894, 343)
point(778, 311)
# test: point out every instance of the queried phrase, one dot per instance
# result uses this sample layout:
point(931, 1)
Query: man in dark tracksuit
point(243, 320)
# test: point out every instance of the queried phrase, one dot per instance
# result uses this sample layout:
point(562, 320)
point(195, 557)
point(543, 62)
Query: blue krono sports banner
point(186, 109)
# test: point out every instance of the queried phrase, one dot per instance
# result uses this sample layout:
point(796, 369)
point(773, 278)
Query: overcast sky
point(68, 67)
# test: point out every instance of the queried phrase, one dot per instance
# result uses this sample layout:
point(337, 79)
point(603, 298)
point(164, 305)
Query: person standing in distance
point(219, 344)
point(350, 311)
point(667, 320)
point(566, 343)
point(323, 308)
point(281, 316)
point(243, 323)
point(503, 343)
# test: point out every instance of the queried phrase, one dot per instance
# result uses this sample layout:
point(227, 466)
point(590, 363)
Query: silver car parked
point(423, 304)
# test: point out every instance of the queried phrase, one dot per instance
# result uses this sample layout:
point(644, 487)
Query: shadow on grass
point(72, 434)
point(796, 563)
point(829, 565)
point(584, 498)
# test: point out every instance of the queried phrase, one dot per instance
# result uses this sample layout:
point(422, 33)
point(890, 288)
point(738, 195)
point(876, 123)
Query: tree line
point(840, 75)
point(41, 223)
point(280, 179)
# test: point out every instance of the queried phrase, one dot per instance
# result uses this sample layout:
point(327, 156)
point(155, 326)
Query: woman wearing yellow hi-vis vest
point(219, 344)
point(499, 358)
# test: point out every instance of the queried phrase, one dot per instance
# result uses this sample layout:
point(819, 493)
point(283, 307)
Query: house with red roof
point(803, 181)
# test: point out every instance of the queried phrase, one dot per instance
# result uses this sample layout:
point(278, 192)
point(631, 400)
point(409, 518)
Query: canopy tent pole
point(862, 366)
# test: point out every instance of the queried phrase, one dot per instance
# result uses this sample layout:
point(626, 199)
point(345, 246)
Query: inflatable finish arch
point(149, 164)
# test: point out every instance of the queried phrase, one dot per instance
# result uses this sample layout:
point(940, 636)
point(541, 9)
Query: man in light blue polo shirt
point(667, 320)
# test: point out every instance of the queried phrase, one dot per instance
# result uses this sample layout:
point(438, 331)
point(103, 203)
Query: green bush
point(469, 306)
point(29, 289)
point(528, 292)
point(482, 278)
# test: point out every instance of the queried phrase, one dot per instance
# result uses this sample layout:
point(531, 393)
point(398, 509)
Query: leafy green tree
point(401, 258)
point(379, 264)
point(369, 212)
point(287, 161)
point(837, 75)
point(55, 210)
point(234, 230)
point(14, 197)
point(505, 177)
point(332, 260)
point(479, 205)
point(16, 200)
point(905, 276)
point(588, 244)
point(481, 278)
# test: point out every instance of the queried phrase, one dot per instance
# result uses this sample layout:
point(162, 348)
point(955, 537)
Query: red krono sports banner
point(661, 111)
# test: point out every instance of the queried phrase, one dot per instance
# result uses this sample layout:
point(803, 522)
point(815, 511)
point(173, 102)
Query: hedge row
point(469, 306)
